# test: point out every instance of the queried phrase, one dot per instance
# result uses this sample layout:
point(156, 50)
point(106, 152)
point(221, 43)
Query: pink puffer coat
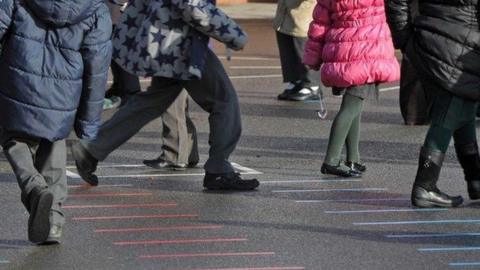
point(352, 40)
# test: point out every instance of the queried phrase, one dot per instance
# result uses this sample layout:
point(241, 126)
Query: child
point(54, 65)
point(168, 40)
point(291, 25)
point(353, 42)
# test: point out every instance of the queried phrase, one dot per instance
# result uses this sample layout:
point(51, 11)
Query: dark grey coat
point(442, 41)
point(53, 66)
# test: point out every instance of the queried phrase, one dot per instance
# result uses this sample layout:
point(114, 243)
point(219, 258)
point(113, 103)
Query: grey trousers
point(38, 162)
point(179, 134)
point(214, 93)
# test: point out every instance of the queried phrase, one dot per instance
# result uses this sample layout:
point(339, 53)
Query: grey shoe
point(86, 163)
point(40, 202)
point(54, 235)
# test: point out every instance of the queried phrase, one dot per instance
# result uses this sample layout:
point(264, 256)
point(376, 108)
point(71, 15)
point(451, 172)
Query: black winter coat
point(53, 66)
point(443, 42)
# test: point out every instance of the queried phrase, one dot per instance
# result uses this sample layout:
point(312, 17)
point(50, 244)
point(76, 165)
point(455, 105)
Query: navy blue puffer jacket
point(53, 66)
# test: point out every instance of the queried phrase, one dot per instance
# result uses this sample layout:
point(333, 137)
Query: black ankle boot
point(425, 192)
point(469, 158)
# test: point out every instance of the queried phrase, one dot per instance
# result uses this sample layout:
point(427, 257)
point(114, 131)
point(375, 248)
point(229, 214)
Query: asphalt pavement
point(140, 218)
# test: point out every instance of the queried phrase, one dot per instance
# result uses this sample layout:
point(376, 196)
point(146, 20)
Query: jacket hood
point(63, 12)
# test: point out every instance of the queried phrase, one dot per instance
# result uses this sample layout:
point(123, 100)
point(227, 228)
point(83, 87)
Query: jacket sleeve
point(399, 19)
point(6, 13)
point(96, 53)
point(211, 21)
point(312, 56)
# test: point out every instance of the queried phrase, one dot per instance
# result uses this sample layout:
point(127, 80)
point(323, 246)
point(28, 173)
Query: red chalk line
point(153, 229)
point(152, 205)
point(179, 241)
point(137, 217)
point(194, 255)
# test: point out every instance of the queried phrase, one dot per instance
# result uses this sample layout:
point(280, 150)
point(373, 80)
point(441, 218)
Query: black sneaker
point(86, 164)
point(40, 202)
point(228, 181)
point(339, 170)
point(305, 93)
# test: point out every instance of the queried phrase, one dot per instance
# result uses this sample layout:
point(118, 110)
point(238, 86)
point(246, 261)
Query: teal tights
point(438, 137)
point(345, 129)
point(451, 116)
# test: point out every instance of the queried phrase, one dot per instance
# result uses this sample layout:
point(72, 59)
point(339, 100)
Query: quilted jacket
point(351, 41)
point(169, 38)
point(53, 66)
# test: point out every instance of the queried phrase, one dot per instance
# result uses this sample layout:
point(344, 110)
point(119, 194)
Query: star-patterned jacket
point(169, 38)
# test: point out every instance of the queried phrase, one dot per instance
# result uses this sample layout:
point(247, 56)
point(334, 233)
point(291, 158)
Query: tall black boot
point(468, 157)
point(425, 192)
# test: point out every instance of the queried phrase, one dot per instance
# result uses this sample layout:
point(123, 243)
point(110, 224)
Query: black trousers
point(291, 55)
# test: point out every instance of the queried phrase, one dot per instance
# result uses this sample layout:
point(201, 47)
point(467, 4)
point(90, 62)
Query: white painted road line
point(244, 169)
point(308, 181)
point(450, 249)
point(354, 200)
point(385, 211)
point(417, 222)
point(386, 89)
point(329, 190)
point(240, 168)
point(433, 235)
point(72, 174)
point(464, 264)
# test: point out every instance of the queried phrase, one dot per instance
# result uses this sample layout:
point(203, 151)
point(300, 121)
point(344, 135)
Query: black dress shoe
point(426, 199)
point(337, 170)
point(228, 181)
point(356, 166)
point(474, 189)
point(86, 164)
point(40, 203)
